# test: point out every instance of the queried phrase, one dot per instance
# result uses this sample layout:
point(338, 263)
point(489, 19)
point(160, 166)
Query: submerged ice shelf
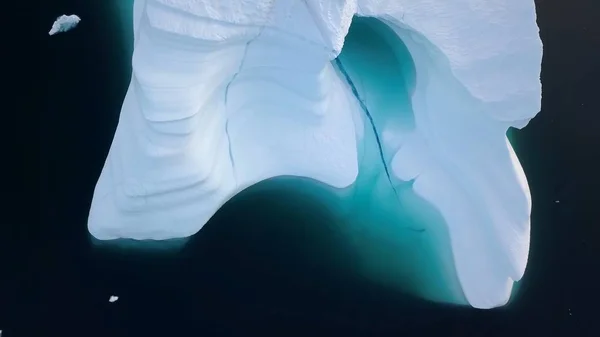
point(228, 94)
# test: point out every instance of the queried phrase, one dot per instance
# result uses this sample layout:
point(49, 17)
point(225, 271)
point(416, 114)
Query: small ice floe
point(113, 299)
point(64, 23)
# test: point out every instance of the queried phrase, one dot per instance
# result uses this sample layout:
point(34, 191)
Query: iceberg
point(64, 23)
point(226, 94)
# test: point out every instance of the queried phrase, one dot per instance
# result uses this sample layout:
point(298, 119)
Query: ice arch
point(227, 94)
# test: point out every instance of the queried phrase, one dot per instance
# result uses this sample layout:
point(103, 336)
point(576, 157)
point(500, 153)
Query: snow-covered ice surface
point(227, 94)
point(64, 23)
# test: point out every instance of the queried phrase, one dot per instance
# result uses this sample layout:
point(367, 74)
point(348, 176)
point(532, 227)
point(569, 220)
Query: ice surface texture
point(64, 23)
point(227, 94)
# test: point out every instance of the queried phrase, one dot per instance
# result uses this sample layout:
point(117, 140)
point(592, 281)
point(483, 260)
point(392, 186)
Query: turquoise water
point(401, 239)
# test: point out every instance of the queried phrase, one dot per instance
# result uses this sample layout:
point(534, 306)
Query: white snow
point(64, 23)
point(227, 94)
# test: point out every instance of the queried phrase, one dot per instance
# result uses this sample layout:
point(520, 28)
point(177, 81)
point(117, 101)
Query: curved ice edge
point(486, 206)
point(486, 171)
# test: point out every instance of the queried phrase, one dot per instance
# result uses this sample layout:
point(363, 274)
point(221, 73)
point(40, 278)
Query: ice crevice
point(233, 78)
point(227, 94)
point(368, 114)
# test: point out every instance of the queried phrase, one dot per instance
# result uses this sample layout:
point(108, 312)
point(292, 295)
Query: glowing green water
point(400, 239)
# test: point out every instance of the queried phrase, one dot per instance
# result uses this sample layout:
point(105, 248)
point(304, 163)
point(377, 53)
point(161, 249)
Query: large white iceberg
point(64, 23)
point(225, 94)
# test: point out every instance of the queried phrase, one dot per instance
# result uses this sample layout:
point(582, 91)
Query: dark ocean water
point(256, 270)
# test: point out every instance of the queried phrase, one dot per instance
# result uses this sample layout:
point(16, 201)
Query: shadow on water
point(299, 232)
point(285, 248)
point(289, 222)
point(296, 233)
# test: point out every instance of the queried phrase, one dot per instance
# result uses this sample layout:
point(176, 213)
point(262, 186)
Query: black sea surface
point(259, 270)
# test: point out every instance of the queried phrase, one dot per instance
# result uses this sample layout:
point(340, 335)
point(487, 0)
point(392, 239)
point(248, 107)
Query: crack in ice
point(377, 139)
point(371, 121)
point(233, 78)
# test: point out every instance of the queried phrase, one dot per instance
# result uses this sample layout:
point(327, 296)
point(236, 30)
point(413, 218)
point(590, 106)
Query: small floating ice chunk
point(64, 23)
point(113, 299)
